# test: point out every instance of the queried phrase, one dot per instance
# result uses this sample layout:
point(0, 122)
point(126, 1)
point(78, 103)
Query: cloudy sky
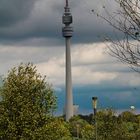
point(30, 31)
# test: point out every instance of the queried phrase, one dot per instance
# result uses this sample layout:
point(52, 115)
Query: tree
point(111, 127)
point(107, 124)
point(27, 101)
point(127, 20)
point(128, 116)
point(55, 129)
point(81, 128)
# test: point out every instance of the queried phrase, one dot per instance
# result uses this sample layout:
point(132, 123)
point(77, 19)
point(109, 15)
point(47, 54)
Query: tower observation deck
point(67, 20)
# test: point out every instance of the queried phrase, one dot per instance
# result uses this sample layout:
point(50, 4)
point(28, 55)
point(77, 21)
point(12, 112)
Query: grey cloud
point(41, 22)
point(43, 19)
point(13, 11)
point(13, 55)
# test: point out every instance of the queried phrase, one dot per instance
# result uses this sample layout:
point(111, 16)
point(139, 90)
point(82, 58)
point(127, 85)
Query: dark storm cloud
point(27, 20)
point(12, 11)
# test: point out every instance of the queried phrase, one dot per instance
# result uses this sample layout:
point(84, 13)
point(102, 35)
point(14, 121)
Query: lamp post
point(77, 130)
point(94, 103)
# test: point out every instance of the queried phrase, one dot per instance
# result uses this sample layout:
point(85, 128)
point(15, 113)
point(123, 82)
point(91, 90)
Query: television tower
point(67, 33)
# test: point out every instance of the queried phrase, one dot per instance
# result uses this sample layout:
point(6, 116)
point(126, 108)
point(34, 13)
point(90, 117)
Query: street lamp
point(94, 103)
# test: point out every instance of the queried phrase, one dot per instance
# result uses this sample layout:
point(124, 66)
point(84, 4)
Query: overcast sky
point(30, 31)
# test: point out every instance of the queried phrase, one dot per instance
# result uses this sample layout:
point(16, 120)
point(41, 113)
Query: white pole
point(69, 97)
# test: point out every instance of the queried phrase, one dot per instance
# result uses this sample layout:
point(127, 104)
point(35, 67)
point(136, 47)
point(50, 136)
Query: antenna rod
point(67, 3)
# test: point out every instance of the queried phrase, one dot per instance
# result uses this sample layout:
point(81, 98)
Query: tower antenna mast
point(67, 34)
point(67, 5)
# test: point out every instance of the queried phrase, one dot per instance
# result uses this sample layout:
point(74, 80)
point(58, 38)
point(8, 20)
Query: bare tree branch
point(127, 20)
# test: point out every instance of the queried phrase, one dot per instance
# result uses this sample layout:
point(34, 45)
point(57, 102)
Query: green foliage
point(27, 101)
point(81, 128)
point(106, 124)
point(127, 116)
point(55, 129)
point(126, 126)
point(88, 132)
point(111, 127)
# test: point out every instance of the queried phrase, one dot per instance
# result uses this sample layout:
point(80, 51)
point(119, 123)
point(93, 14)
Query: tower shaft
point(69, 96)
point(67, 33)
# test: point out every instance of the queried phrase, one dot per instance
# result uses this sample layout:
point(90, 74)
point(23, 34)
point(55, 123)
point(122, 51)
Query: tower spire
point(67, 4)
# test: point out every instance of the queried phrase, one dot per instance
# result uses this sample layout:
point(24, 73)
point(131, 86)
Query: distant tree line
point(125, 126)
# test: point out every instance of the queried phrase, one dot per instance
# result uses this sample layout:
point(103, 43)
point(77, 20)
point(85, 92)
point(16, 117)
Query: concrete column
point(69, 97)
